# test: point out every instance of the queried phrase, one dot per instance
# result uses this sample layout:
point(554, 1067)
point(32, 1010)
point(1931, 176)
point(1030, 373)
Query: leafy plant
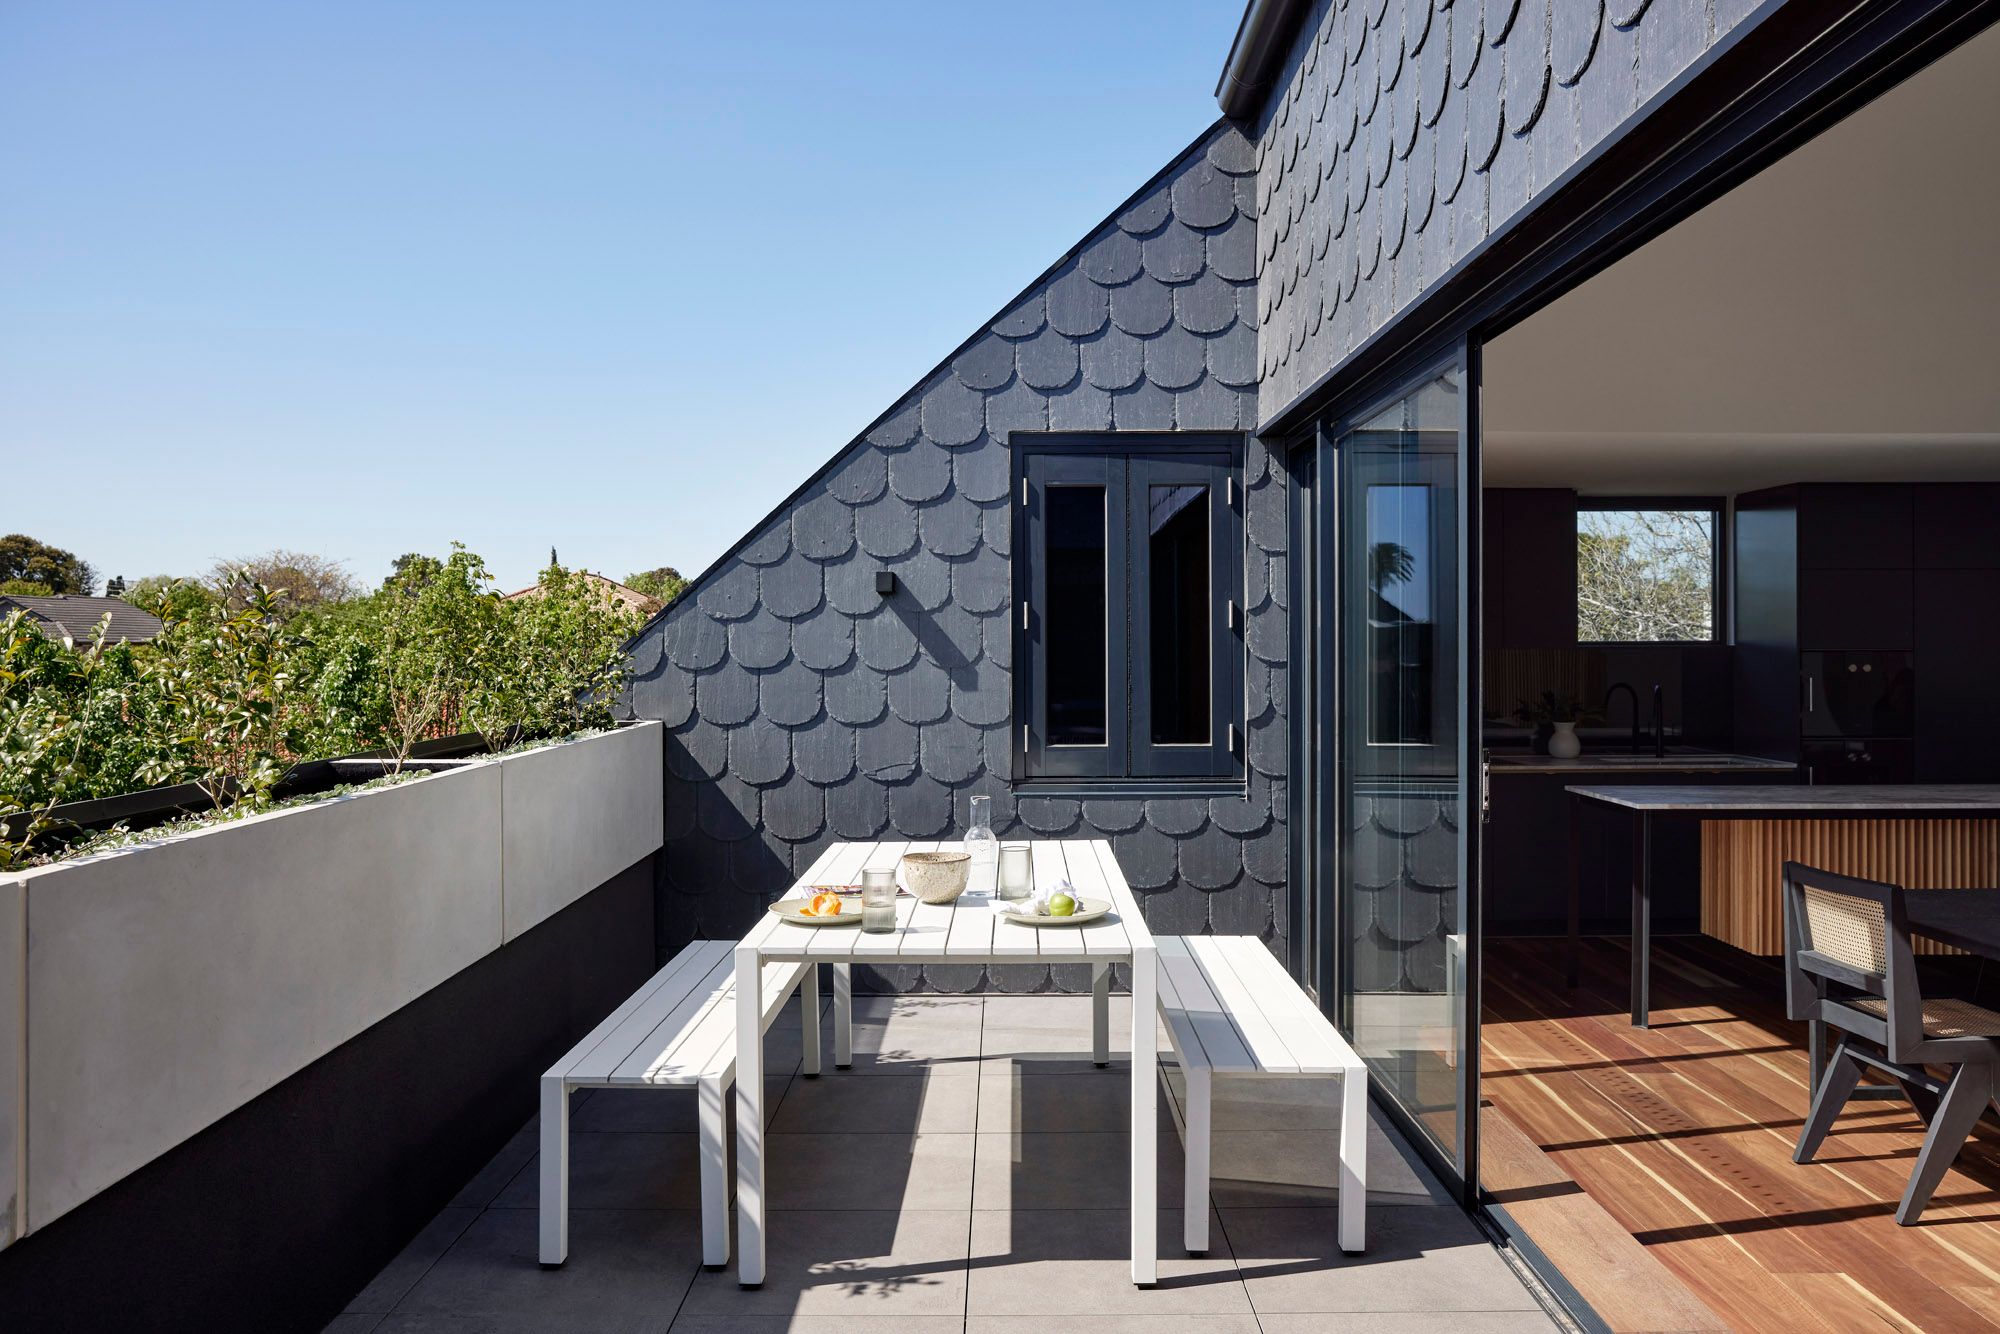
point(1551, 707)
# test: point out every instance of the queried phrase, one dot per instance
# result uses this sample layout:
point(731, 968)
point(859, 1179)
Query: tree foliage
point(59, 571)
point(240, 684)
point(305, 580)
point(664, 583)
point(1645, 575)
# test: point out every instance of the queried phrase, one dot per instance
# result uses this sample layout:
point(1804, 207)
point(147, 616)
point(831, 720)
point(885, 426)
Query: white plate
point(1087, 910)
point(849, 915)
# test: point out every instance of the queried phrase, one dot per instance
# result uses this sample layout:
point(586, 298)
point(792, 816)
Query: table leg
point(809, 1022)
point(1100, 1014)
point(1576, 813)
point(1145, 1116)
point(843, 1016)
point(1642, 918)
point(749, 1118)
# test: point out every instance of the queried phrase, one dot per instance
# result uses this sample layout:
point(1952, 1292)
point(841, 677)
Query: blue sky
point(363, 278)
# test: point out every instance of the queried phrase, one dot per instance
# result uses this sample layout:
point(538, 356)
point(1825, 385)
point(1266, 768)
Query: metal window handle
point(1809, 693)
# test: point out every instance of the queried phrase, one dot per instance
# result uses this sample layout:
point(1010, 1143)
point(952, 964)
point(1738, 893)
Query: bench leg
point(843, 1016)
point(713, 1119)
point(809, 1020)
point(555, 1171)
point(1353, 1203)
point(1195, 1224)
point(749, 1119)
point(1100, 1014)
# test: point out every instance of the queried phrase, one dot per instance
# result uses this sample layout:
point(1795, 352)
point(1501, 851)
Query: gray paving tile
point(352, 1324)
point(838, 1102)
point(626, 1269)
point(400, 1274)
point(1051, 1034)
point(1418, 1260)
point(848, 1263)
point(1271, 1167)
point(1020, 1098)
point(841, 1171)
point(490, 1180)
point(1417, 1322)
point(619, 1170)
point(1183, 1323)
point(1059, 1262)
point(1057, 1170)
point(817, 1324)
point(912, 1035)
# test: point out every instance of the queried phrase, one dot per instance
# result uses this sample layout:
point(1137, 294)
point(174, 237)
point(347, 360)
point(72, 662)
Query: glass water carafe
point(984, 847)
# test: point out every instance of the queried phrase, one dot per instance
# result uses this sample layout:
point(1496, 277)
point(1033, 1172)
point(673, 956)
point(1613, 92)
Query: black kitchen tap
point(1659, 722)
point(1617, 686)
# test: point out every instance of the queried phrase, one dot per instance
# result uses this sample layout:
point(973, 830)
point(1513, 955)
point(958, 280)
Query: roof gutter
point(1260, 43)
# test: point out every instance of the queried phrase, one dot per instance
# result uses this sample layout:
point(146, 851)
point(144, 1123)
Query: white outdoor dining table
point(964, 932)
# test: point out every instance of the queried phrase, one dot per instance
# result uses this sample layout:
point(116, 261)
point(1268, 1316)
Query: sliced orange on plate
point(826, 903)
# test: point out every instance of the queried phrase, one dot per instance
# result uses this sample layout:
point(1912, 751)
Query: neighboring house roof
point(643, 603)
point(67, 616)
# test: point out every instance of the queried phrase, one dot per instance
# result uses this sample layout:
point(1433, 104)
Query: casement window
point(1128, 558)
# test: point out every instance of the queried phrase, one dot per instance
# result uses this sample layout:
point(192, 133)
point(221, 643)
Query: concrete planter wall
point(148, 992)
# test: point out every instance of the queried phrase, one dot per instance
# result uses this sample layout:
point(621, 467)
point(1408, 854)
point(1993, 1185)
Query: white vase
point(1563, 744)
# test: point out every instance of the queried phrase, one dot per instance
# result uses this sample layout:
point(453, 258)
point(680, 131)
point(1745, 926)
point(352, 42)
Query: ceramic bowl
point(937, 877)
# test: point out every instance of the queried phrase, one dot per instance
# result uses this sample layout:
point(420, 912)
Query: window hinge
point(1024, 490)
point(1024, 618)
point(1232, 738)
point(1235, 615)
point(1229, 491)
point(1024, 736)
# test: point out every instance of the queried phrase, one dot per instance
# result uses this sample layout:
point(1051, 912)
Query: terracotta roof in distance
point(642, 603)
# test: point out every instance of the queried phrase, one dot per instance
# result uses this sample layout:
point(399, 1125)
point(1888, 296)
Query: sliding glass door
point(1393, 770)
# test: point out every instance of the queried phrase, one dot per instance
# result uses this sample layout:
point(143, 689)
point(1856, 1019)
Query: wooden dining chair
point(1848, 965)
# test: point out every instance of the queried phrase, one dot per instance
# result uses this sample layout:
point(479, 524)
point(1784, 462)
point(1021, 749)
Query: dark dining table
point(1883, 801)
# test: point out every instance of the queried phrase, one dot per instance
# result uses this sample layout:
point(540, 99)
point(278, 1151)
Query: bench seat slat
point(708, 1049)
point(693, 961)
point(1316, 1047)
point(1244, 1009)
point(1221, 1044)
point(647, 1035)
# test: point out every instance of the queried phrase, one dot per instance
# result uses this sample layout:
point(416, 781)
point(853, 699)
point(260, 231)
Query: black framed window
point(1648, 570)
point(1128, 571)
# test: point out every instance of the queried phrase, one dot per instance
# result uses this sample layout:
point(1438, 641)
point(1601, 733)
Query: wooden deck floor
point(1684, 1133)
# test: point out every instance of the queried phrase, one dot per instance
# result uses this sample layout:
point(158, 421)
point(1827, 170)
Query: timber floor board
point(1683, 1134)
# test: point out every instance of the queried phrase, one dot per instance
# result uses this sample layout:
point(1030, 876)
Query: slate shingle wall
point(1405, 132)
point(802, 707)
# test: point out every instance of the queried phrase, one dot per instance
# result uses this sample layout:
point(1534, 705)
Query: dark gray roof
point(66, 615)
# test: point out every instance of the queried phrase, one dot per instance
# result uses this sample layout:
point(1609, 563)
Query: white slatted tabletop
point(966, 931)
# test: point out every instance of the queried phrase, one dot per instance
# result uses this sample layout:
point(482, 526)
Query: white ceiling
point(1836, 318)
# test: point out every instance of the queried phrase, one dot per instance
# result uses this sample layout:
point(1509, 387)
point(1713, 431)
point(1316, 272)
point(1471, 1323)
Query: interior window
point(1646, 574)
point(1128, 562)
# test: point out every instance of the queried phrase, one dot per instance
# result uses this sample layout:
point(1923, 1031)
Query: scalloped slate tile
point(760, 643)
point(790, 696)
point(1148, 214)
point(823, 528)
point(1214, 406)
point(727, 696)
point(1239, 911)
point(885, 529)
point(896, 429)
point(1240, 816)
point(1177, 817)
point(760, 755)
point(857, 809)
point(1114, 815)
point(922, 578)
point(1142, 307)
point(1023, 319)
point(951, 639)
point(791, 588)
point(1018, 407)
point(698, 864)
point(949, 750)
point(850, 584)
point(855, 695)
point(1077, 306)
point(1203, 197)
point(1175, 358)
point(1046, 361)
point(920, 695)
point(983, 694)
point(677, 819)
point(886, 641)
point(1113, 258)
point(824, 755)
point(1264, 858)
point(1144, 407)
point(950, 527)
point(1048, 816)
point(726, 809)
point(1175, 255)
point(987, 364)
point(1205, 306)
point(886, 750)
point(769, 546)
point(920, 808)
point(729, 595)
point(980, 475)
point(794, 811)
point(953, 414)
point(697, 752)
point(982, 584)
point(860, 477)
point(921, 472)
point(1211, 862)
point(1081, 407)
point(1149, 858)
point(1112, 360)
point(668, 696)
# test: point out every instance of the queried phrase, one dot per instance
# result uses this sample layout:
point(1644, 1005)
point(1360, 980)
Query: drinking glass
point(878, 901)
point(1017, 872)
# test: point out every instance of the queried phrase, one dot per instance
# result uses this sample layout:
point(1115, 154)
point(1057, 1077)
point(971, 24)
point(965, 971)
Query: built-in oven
point(1844, 763)
point(1857, 695)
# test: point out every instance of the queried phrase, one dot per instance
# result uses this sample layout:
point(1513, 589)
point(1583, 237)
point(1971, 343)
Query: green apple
point(1062, 905)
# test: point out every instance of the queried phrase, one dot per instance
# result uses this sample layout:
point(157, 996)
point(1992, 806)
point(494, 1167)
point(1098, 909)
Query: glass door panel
point(1400, 787)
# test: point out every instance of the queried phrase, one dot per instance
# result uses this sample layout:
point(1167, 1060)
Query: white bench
point(1231, 1009)
point(677, 1031)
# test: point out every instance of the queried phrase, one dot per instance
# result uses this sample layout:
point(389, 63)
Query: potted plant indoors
point(1555, 718)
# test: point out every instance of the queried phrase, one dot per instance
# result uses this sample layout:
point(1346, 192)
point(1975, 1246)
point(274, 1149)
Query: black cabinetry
point(1529, 554)
point(1906, 577)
